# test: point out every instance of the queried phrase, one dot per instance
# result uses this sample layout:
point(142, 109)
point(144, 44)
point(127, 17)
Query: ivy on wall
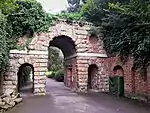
point(125, 26)
point(4, 42)
point(69, 17)
point(19, 18)
point(29, 18)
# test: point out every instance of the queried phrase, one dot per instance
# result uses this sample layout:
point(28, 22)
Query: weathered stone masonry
point(79, 50)
point(134, 84)
point(36, 58)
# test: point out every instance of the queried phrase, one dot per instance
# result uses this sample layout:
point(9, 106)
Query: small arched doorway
point(26, 78)
point(116, 81)
point(92, 74)
point(118, 71)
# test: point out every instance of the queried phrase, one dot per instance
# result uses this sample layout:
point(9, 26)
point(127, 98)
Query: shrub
point(50, 74)
point(59, 76)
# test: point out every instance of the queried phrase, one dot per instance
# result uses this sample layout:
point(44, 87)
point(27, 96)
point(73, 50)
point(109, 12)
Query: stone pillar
point(39, 85)
point(40, 67)
point(82, 74)
point(10, 80)
point(69, 76)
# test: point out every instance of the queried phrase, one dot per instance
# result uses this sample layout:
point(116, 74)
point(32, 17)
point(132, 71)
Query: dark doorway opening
point(118, 71)
point(26, 78)
point(116, 82)
point(92, 73)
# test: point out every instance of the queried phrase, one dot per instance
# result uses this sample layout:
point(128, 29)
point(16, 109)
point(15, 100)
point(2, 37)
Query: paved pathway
point(62, 100)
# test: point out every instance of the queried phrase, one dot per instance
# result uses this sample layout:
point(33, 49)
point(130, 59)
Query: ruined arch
point(25, 78)
point(117, 81)
point(68, 48)
point(73, 40)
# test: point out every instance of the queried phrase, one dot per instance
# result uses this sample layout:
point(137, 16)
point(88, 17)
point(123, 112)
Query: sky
point(54, 6)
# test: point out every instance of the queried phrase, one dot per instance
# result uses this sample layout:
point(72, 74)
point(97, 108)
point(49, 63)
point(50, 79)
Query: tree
point(4, 48)
point(18, 18)
point(75, 5)
point(7, 6)
point(125, 27)
point(55, 61)
point(29, 18)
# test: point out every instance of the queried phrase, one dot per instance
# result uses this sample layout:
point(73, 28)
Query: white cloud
point(54, 6)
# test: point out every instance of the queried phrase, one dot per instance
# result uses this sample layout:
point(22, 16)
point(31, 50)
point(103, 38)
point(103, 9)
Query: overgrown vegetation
point(57, 75)
point(125, 25)
point(69, 17)
point(75, 5)
point(4, 47)
point(55, 65)
point(50, 74)
point(18, 18)
point(24, 17)
point(55, 60)
point(29, 18)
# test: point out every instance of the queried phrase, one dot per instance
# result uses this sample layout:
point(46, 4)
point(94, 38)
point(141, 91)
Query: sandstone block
point(21, 61)
point(7, 82)
point(39, 77)
point(38, 69)
point(42, 81)
point(6, 106)
point(7, 99)
point(17, 100)
point(9, 91)
point(11, 104)
point(2, 104)
point(39, 85)
point(10, 78)
point(37, 90)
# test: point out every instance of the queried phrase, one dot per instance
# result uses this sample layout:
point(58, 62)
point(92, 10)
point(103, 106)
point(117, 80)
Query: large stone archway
point(80, 51)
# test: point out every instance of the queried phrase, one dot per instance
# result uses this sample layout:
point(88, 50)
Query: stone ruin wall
point(134, 84)
point(87, 52)
point(36, 58)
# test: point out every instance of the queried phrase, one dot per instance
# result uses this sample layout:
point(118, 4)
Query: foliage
point(125, 28)
point(59, 73)
point(7, 6)
point(59, 76)
point(4, 48)
point(75, 5)
point(68, 16)
point(29, 18)
point(88, 6)
point(18, 18)
point(131, 30)
point(95, 12)
point(50, 74)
